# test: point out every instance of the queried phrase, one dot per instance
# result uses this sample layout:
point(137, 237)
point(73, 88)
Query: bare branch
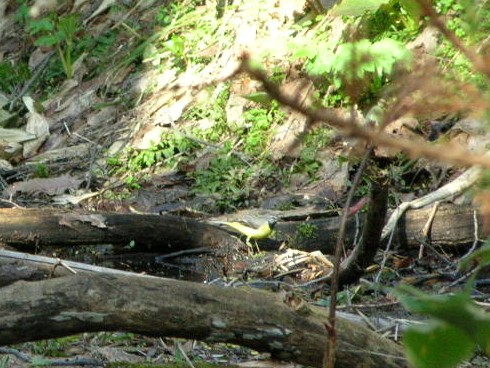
point(353, 128)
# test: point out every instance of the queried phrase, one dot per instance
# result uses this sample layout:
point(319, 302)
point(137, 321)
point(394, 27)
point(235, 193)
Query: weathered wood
point(453, 226)
point(38, 227)
point(276, 323)
point(15, 266)
point(365, 251)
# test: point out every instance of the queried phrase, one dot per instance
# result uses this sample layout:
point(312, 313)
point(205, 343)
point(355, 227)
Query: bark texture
point(37, 227)
point(280, 324)
point(453, 225)
point(363, 254)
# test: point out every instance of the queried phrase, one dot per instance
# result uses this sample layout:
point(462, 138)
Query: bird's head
point(273, 221)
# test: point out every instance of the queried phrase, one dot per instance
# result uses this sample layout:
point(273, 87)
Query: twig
point(465, 277)
point(427, 227)
point(354, 128)
point(426, 244)
point(188, 361)
point(62, 264)
point(48, 261)
point(126, 15)
point(370, 306)
point(329, 357)
point(12, 203)
point(385, 258)
point(184, 252)
point(456, 187)
point(17, 353)
point(478, 62)
point(476, 239)
point(52, 362)
point(30, 82)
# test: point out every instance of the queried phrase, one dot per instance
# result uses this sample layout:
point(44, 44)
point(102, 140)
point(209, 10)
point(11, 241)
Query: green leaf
point(68, 26)
point(437, 344)
point(457, 310)
point(40, 25)
point(392, 48)
point(259, 97)
point(39, 361)
point(322, 64)
point(481, 257)
point(48, 40)
point(472, 17)
point(301, 50)
point(412, 8)
point(355, 8)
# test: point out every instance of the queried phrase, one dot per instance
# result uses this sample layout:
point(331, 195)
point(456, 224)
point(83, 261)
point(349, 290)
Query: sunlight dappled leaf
point(412, 8)
point(437, 344)
point(457, 310)
point(357, 7)
point(481, 257)
point(260, 97)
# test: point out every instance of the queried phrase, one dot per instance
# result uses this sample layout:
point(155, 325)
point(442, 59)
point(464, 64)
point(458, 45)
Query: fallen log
point(33, 228)
point(16, 266)
point(453, 226)
point(281, 324)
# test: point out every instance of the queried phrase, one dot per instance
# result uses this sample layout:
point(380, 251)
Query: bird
point(249, 228)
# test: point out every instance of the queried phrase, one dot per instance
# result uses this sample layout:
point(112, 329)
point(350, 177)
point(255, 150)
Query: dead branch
point(15, 266)
point(479, 63)
point(353, 128)
point(363, 254)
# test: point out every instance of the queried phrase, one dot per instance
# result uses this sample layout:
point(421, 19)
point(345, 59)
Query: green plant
point(54, 347)
point(316, 140)
point(232, 180)
point(307, 231)
point(398, 20)
point(97, 49)
point(13, 75)
point(133, 182)
point(22, 14)
point(42, 170)
point(4, 361)
point(278, 75)
point(256, 132)
point(176, 45)
point(307, 162)
point(469, 21)
point(227, 176)
point(116, 338)
point(382, 15)
point(356, 71)
point(213, 110)
point(467, 18)
point(59, 32)
point(355, 63)
point(457, 326)
point(186, 29)
point(173, 149)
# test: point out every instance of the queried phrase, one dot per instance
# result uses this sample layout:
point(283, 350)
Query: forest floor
point(135, 107)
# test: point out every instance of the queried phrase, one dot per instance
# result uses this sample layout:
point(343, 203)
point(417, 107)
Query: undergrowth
point(232, 161)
